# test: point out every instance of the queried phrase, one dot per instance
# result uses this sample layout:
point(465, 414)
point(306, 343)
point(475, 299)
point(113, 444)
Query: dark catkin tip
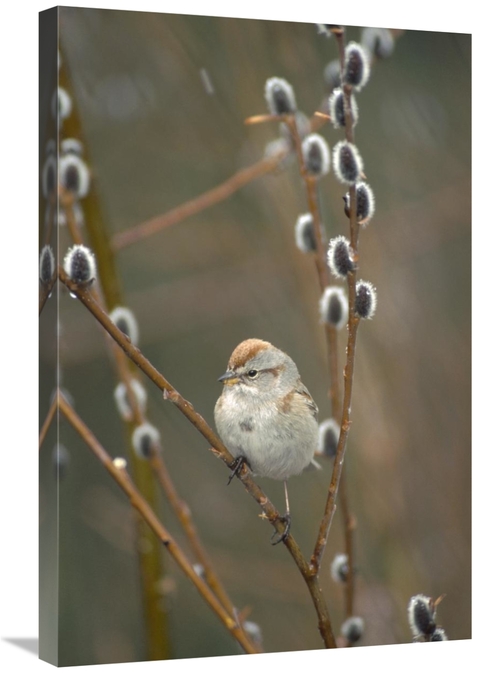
point(334, 310)
point(423, 618)
point(366, 299)
point(123, 325)
point(146, 446)
point(71, 178)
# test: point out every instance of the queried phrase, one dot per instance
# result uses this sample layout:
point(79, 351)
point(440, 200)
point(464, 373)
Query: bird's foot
point(236, 467)
point(287, 520)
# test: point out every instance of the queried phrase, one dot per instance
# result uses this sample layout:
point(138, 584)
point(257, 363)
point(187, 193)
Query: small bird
point(266, 416)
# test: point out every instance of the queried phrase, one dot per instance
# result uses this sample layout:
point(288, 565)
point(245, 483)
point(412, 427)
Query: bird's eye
point(252, 373)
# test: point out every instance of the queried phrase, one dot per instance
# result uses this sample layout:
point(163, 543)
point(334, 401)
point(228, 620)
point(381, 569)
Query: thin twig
point(48, 420)
point(216, 194)
point(183, 513)
point(196, 205)
point(138, 418)
point(216, 446)
point(122, 478)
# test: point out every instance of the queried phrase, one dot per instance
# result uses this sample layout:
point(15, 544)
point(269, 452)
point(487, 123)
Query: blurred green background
point(155, 136)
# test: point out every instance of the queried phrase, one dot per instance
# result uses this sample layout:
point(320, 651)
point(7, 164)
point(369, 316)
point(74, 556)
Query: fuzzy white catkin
point(144, 439)
point(79, 264)
point(304, 233)
point(328, 438)
point(352, 629)
point(347, 162)
point(280, 96)
point(316, 155)
point(357, 66)
point(125, 320)
point(334, 307)
point(74, 175)
point(47, 265)
point(421, 615)
point(122, 403)
point(366, 299)
point(337, 108)
point(339, 257)
point(339, 568)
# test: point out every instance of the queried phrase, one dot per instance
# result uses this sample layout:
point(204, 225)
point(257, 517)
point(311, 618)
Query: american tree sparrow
point(266, 416)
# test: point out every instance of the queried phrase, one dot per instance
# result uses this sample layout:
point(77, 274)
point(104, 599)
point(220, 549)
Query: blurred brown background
point(156, 137)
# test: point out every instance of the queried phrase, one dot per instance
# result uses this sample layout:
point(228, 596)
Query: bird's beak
point(229, 378)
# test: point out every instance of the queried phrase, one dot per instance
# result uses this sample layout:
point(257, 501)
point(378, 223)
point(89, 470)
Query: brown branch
point(332, 348)
point(321, 266)
point(48, 420)
point(138, 418)
point(196, 205)
point(352, 327)
point(216, 446)
point(183, 513)
point(212, 196)
point(122, 478)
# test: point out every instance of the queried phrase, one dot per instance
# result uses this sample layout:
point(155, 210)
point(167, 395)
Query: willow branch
point(216, 447)
point(123, 479)
point(138, 418)
point(48, 420)
point(216, 194)
point(183, 513)
point(321, 266)
point(108, 292)
point(196, 205)
point(352, 327)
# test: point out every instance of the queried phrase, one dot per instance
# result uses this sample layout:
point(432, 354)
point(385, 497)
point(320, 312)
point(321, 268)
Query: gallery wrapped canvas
point(254, 300)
